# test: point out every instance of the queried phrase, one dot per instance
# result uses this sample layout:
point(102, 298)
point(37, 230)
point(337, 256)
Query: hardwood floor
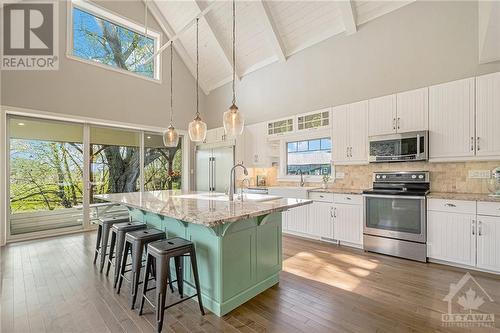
point(51, 285)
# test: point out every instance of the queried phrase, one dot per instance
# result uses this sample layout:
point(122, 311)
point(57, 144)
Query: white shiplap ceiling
point(266, 31)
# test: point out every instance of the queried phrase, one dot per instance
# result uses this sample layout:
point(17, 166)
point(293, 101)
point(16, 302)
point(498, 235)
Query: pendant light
point(197, 128)
point(233, 119)
point(170, 136)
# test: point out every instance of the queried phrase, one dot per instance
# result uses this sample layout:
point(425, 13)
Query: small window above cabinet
point(280, 127)
point(313, 120)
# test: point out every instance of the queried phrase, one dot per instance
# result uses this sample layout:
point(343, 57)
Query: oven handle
point(394, 196)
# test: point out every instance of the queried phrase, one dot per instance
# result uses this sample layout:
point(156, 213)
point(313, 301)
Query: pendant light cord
point(197, 67)
point(171, 82)
point(234, 47)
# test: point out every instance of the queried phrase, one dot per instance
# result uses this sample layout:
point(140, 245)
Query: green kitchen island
point(238, 244)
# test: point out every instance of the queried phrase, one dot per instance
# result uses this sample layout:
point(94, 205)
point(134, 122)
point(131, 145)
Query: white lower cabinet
point(347, 223)
point(488, 242)
point(451, 237)
point(321, 219)
point(296, 219)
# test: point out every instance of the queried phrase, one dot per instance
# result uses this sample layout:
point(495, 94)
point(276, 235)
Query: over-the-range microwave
point(400, 147)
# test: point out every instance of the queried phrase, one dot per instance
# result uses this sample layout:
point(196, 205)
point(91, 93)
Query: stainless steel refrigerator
point(213, 166)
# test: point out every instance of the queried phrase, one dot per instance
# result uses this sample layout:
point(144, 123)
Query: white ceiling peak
point(272, 31)
point(348, 15)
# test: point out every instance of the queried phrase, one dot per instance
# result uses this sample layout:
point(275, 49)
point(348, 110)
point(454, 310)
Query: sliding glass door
point(46, 175)
point(56, 168)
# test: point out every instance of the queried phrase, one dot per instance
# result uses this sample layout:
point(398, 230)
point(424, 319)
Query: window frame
point(119, 20)
point(304, 151)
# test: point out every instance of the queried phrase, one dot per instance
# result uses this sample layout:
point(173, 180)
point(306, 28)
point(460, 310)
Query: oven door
point(395, 216)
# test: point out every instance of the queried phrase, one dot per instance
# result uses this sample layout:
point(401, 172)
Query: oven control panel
point(401, 177)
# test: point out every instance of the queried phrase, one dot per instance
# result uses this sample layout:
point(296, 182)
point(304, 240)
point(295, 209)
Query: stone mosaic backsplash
point(445, 177)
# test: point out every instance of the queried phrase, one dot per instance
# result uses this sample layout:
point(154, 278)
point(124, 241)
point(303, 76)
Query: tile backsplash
point(445, 177)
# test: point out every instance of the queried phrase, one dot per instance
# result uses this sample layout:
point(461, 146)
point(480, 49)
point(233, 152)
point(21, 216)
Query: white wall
point(89, 91)
point(424, 43)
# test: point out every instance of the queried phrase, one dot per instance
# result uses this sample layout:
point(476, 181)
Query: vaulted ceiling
point(266, 31)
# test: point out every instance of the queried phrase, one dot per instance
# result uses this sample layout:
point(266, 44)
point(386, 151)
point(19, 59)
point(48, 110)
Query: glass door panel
point(46, 175)
point(162, 165)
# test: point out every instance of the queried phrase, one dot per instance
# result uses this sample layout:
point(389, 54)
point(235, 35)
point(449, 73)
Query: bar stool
point(103, 229)
point(160, 253)
point(118, 232)
point(135, 243)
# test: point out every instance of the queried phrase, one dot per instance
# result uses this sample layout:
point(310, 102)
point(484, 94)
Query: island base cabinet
point(451, 237)
point(348, 223)
point(488, 243)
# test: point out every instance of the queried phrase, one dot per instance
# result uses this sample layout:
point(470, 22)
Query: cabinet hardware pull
point(450, 205)
point(477, 144)
point(393, 123)
point(331, 212)
point(350, 152)
point(335, 212)
point(473, 227)
point(480, 228)
point(347, 152)
point(348, 198)
point(472, 143)
point(399, 120)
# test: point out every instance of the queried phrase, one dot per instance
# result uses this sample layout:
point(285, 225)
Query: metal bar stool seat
point(159, 253)
point(103, 229)
point(135, 244)
point(118, 232)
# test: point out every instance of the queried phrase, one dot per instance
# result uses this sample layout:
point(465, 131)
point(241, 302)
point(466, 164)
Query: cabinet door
point(488, 242)
point(412, 110)
point(488, 115)
point(340, 132)
point(348, 223)
point(211, 136)
point(451, 237)
point(358, 132)
point(451, 119)
point(320, 219)
point(382, 115)
point(297, 221)
point(256, 145)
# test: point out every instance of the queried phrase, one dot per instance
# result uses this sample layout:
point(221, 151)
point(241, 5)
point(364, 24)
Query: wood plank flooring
point(51, 285)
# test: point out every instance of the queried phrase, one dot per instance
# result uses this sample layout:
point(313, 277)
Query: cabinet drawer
point(321, 196)
point(453, 206)
point(488, 208)
point(350, 199)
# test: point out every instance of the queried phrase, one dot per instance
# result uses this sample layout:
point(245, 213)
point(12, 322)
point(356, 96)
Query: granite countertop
point(209, 209)
point(463, 196)
point(338, 190)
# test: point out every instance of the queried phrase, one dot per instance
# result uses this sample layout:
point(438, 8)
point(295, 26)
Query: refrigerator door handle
point(210, 182)
point(213, 174)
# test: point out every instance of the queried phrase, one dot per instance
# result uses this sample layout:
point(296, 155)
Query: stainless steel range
point(395, 214)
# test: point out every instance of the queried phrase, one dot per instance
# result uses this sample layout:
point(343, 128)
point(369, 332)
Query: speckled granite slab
point(338, 190)
point(463, 196)
point(210, 209)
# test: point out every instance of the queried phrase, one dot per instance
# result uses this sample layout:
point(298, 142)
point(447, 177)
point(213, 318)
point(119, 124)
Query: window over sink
point(312, 157)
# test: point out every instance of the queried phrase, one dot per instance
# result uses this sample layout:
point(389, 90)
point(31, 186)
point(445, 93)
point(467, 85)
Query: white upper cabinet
point(451, 120)
point(256, 145)
point(488, 115)
point(403, 112)
point(350, 133)
point(382, 115)
point(412, 110)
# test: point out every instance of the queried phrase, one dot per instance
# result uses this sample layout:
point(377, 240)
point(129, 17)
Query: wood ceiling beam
point(226, 53)
point(348, 16)
point(272, 31)
point(179, 48)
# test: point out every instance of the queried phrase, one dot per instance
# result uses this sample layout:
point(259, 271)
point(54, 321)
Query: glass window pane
point(314, 144)
point(292, 146)
point(311, 157)
point(326, 144)
point(162, 165)
point(302, 146)
point(46, 175)
point(99, 40)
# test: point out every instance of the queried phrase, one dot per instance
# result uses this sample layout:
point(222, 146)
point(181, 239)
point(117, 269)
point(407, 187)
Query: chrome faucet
point(301, 184)
point(231, 180)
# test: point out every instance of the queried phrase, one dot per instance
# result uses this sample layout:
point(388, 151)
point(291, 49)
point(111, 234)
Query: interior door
point(223, 161)
point(203, 169)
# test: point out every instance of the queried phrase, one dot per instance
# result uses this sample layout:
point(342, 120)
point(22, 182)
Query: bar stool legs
point(194, 267)
point(98, 242)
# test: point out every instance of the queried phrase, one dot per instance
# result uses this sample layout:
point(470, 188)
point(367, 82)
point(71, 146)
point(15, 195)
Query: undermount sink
point(223, 197)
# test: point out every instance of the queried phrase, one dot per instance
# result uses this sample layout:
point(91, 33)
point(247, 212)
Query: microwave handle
point(418, 146)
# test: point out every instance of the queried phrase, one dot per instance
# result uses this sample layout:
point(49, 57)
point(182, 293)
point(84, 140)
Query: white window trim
point(283, 176)
point(118, 20)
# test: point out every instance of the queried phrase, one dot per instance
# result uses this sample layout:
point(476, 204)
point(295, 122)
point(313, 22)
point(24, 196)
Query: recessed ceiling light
point(20, 124)
point(149, 137)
